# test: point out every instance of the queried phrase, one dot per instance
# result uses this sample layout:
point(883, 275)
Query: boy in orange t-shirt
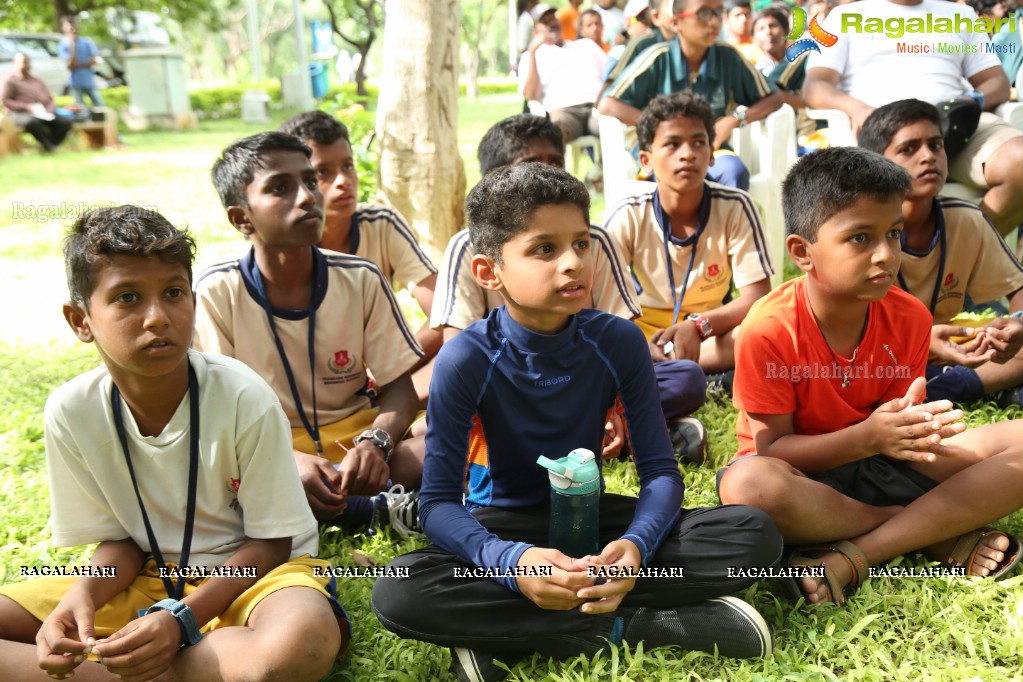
point(829, 373)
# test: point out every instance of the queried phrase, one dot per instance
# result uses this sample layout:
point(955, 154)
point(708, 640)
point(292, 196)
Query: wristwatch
point(739, 113)
point(186, 619)
point(703, 327)
point(379, 438)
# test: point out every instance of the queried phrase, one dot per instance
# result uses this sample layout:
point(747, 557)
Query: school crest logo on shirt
point(713, 270)
point(232, 487)
point(342, 362)
point(951, 281)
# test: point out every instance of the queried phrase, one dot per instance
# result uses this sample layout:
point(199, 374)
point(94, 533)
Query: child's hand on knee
point(619, 557)
point(559, 590)
point(142, 649)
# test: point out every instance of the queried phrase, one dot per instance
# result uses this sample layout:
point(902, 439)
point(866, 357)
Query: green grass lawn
point(936, 629)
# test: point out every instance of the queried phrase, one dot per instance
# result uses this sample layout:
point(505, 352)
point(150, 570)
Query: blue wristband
point(190, 633)
point(977, 95)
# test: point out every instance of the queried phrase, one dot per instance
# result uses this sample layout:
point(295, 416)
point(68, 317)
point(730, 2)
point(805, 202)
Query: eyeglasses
point(704, 14)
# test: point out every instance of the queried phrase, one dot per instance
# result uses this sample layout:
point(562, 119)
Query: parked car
point(47, 66)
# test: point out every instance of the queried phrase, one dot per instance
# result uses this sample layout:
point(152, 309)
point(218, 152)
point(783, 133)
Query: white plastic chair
point(576, 149)
point(768, 149)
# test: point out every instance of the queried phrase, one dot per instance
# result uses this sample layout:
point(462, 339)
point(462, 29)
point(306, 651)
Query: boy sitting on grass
point(167, 458)
point(461, 301)
point(312, 323)
point(372, 231)
point(832, 441)
point(537, 376)
point(950, 249)
point(688, 240)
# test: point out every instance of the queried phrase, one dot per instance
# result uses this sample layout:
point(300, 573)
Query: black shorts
point(878, 481)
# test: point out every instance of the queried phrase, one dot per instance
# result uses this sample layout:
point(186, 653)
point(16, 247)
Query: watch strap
point(379, 438)
point(190, 633)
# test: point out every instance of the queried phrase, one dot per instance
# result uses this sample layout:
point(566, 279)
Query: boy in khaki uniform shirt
point(950, 249)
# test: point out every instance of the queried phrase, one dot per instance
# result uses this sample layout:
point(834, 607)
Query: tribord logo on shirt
point(818, 36)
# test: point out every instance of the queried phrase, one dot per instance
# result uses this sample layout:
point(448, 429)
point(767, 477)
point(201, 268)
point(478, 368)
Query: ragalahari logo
point(818, 36)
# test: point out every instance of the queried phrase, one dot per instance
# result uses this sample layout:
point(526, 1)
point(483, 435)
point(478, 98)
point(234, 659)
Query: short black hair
point(983, 6)
point(831, 180)
point(582, 15)
point(885, 122)
point(237, 165)
point(732, 4)
point(125, 230)
point(666, 107)
point(509, 139)
point(318, 126)
point(501, 205)
point(777, 13)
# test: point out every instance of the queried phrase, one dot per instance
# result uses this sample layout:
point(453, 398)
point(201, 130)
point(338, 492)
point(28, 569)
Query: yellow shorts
point(654, 320)
point(41, 595)
point(343, 431)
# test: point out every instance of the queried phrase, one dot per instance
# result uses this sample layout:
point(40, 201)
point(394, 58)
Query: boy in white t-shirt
point(167, 458)
point(313, 323)
point(371, 231)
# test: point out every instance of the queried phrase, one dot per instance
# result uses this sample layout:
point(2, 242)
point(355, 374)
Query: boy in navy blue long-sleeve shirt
point(536, 377)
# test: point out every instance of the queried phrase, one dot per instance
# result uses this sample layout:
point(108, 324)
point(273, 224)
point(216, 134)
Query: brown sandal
point(812, 557)
point(966, 548)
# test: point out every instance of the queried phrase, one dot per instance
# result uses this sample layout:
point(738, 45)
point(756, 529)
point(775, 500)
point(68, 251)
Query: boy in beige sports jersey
point(950, 249)
point(372, 231)
point(689, 240)
point(313, 323)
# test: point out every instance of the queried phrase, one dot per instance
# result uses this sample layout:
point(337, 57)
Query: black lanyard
point(312, 429)
point(941, 269)
point(173, 591)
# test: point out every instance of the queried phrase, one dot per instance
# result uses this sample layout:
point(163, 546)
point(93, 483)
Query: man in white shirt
point(864, 70)
point(566, 78)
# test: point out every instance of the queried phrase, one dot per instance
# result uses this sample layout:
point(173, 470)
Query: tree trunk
point(360, 70)
point(421, 172)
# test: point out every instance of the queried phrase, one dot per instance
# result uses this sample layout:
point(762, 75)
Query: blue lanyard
point(312, 429)
point(665, 223)
point(173, 591)
point(677, 300)
point(940, 227)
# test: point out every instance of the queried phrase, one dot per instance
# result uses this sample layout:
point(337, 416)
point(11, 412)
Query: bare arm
point(821, 92)
point(627, 114)
point(532, 88)
point(899, 428)
point(994, 84)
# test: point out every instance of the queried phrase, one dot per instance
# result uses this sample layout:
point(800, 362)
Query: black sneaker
point(470, 665)
point(719, 384)
point(1008, 397)
point(397, 509)
point(688, 440)
point(726, 624)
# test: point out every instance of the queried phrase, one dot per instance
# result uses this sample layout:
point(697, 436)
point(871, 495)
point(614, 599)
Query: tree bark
point(421, 171)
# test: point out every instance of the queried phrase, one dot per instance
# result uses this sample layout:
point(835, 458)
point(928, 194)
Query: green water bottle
point(575, 502)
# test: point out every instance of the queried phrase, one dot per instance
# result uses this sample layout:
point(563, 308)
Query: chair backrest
point(619, 166)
